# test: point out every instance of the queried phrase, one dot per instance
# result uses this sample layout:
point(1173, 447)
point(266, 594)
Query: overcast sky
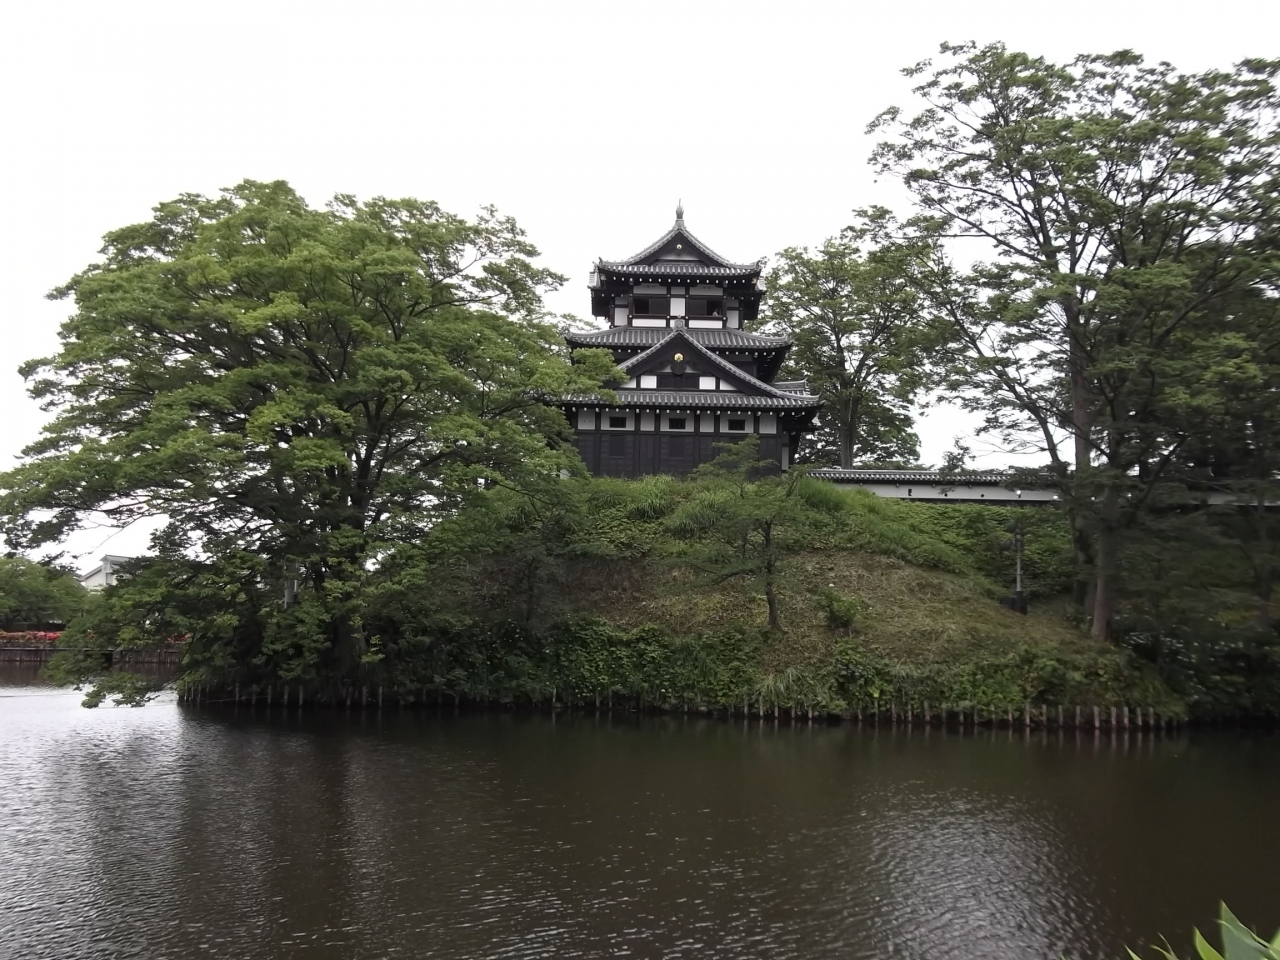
point(585, 121)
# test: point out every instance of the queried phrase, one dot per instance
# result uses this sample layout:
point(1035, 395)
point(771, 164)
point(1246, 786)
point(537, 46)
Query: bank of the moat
point(609, 592)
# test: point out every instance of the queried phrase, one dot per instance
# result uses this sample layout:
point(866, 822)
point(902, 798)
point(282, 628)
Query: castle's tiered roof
point(755, 395)
point(679, 253)
point(648, 336)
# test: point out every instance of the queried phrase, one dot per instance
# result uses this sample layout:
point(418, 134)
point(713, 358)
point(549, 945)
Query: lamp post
point(1015, 543)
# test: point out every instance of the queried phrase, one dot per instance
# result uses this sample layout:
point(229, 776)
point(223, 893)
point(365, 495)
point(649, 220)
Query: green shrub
point(843, 612)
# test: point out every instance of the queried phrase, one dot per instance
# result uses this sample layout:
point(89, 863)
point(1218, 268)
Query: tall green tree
point(863, 339)
point(1236, 453)
point(1117, 202)
point(744, 518)
point(37, 595)
point(297, 390)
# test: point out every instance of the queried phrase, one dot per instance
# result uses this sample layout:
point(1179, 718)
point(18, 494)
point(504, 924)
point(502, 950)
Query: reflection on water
point(174, 832)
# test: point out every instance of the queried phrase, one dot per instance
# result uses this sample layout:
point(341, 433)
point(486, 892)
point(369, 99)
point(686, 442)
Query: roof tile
point(689, 399)
point(648, 336)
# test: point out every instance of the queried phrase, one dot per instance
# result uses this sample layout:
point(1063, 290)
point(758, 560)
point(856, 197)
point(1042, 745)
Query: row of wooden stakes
point(1026, 715)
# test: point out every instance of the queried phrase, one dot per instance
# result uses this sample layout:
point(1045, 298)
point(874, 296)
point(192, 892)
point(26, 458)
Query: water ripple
point(172, 833)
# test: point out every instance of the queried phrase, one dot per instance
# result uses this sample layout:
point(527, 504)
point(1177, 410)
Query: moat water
point(181, 832)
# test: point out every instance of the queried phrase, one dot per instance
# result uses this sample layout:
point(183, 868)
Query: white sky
point(586, 121)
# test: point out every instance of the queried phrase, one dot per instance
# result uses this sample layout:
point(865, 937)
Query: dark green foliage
point(1125, 222)
point(585, 662)
point(300, 392)
point(843, 612)
point(1222, 672)
point(979, 532)
point(742, 518)
point(37, 595)
point(862, 339)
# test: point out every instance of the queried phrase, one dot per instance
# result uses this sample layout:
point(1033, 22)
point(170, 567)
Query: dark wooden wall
point(633, 453)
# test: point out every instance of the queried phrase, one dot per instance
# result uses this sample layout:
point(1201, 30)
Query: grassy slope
point(919, 573)
point(912, 614)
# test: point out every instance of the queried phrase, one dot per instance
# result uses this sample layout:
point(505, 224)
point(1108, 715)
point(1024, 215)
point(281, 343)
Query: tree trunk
point(1104, 568)
point(770, 595)
point(849, 432)
point(771, 599)
point(1262, 569)
point(1081, 429)
point(846, 447)
point(348, 647)
point(1082, 550)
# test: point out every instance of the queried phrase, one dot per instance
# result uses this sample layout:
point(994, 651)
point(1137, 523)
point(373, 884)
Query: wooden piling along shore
point(1024, 716)
point(46, 652)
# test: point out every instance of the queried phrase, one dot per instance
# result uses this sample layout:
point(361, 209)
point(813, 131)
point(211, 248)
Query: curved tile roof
point(679, 268)
point(679, 333)
point(678, 228)
point(914, 476)
point(693, 399)
point(648, 336)
point(792, 386)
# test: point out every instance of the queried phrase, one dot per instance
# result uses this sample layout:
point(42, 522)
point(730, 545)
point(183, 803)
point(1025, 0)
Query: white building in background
point(991, 487)
point(104, 574)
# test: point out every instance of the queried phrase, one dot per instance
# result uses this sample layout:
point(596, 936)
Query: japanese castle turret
point(676, 314)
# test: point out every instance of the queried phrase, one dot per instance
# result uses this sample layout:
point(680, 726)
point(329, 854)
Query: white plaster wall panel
point(768, 423)
point(586, 420)
point(648, 322)
point(646, 421)
point(707, 324)
point(649, 381)
point(706, 383)
point(677, 306)
point(705, 290)
point(707, 422)
point(932, 491)
point(650, 288)
point(620, 315)
point(731, 318)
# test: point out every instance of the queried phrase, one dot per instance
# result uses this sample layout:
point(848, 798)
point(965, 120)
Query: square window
point(617, 423)
point(676, 423)
point(706, 308)
point(738, 425)
point(650, 306)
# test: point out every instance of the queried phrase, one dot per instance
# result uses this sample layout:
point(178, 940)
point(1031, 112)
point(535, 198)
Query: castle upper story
point(676, 281)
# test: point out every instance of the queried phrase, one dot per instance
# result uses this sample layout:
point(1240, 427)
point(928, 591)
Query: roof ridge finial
point(679, 211)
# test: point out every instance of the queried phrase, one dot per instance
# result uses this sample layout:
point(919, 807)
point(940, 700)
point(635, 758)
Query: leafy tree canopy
point(862, 336)
point(306, 387)
point(1120, 206)
point(744, 518)
point(34, 595)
